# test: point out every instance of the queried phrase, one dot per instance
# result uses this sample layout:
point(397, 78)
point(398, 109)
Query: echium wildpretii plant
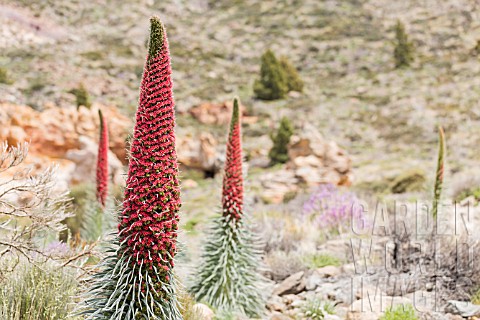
point(136, 280)
point(102, 162)
point(228, 277)
point(437, 191)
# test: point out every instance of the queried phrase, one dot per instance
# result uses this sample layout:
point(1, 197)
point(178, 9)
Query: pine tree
point(228, 277)
point(294, 82)
point(437, 192)
point(279, 151)
point(136, 279)
point(403, 52)
point(102, 161)
point(273, 79)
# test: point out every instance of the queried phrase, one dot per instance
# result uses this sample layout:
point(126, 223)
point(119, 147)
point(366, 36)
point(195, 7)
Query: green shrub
point(4, 78)
point(476, 49)
point(37, 84)
point(411, 181)
point(403, 52)
point(279, 151)
point(322, 260)
point(471, 191)
point(475, 298)
point(316, 309)
point(294, 82)
point(273, 79)
point(37, 293)
point(400, 312)
point(82, 96)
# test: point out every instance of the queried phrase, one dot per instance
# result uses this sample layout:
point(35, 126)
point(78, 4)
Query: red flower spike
point(102, 161)
point(152, 193)
point(232, 191)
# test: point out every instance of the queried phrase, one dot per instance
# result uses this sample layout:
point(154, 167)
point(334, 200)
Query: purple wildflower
point(331, 208)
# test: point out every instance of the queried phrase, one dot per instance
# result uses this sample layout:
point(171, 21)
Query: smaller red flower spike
point(232, 193)
point(102, 162)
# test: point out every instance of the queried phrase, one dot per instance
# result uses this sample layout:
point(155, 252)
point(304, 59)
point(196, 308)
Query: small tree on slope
point(279, 151)
point(228, 277)
point(403, 52)
point(273, 79)
point(136, 279)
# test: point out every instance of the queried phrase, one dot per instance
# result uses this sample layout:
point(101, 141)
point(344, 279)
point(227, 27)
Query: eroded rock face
point(66, 137)
point(54, 131)
point(85, 159)
point(217, 113)
point(316, 160)
point(198, 152)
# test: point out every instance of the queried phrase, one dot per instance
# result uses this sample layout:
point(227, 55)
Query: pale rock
point(203, 312)
point(454, 317)
point(275, 185)
point(291, 285)
point(198, 152)
point(85, 159)
point(16, 135)
point(328, 271)
point(275, 304)
point(189, 184)
point(290, 299)
point(313, 281)
point(331, 317)
point(349, 268)
point(218, 113)
point(314, 160)
point(463, 308)
point(279, 316)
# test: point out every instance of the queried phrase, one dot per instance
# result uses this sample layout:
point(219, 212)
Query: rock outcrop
point(316, 160)
point(313, 161)
point(66, 137)
point(198, 152)
point(217, 113)
point(55, 131)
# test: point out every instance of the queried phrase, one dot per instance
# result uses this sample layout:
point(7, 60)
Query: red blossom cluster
point(102, 161)
point(232, 192)
point(152, 196)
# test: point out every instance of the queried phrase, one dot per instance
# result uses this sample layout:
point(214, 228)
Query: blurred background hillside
point(343, 50)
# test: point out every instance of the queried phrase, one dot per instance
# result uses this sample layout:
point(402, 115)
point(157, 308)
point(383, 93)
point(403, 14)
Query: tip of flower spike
point(441, 134)
point(235, 114)
point(100, 115)
point(157, 34)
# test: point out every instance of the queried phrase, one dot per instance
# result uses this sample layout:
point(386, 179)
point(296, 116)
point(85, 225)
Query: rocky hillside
point(342, 48)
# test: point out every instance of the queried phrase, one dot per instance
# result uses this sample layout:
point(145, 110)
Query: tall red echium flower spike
point(152, 194)
point(102, 161)
point(135, 280)
point(232, 191)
